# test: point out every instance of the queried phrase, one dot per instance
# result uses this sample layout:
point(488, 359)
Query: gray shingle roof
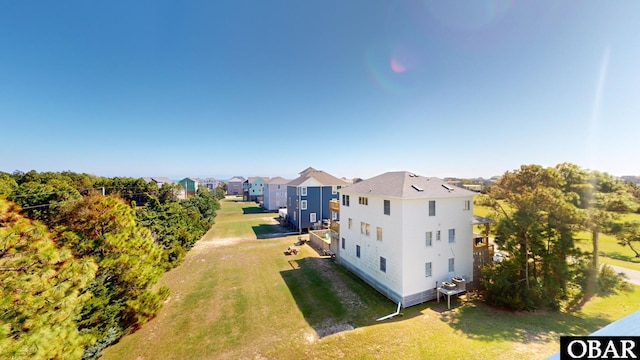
point(322, 177)
point(236, 179)
point(404, 184)
point(157, 179)
point(306, 170)
point(278, 180)
point(253, 179)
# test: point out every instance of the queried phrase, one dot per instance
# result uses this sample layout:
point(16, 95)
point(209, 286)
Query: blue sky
point(355, 88)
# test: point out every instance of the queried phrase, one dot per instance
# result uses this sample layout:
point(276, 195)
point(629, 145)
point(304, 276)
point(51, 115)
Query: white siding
point(371, 249)
point(449, 215)
point(403, 243)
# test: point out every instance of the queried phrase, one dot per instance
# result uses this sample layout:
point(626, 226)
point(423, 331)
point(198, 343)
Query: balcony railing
point(335, 226)
point(480, 241)
point(334, 205)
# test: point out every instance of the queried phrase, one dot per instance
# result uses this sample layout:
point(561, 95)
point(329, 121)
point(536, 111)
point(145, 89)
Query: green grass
point(610, 251)
point(246, 299)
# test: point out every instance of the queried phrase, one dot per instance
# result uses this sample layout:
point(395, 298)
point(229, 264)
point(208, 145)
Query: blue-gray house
point(308, 198)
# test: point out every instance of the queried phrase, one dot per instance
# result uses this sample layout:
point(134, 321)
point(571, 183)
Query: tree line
point(80, 256)
point(539, 212)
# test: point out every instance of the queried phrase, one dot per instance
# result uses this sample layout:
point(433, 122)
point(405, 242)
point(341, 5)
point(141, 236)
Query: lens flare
point(396, 66)
point(595, 112)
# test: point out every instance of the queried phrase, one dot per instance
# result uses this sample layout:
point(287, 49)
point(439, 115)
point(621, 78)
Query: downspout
point(321, 205)
point(391, 315)
point(299, 191)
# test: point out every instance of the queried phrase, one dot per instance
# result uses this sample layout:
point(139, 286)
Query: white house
point(209, 183)
point(275, 193)
point(403, 234)
point(158, 180)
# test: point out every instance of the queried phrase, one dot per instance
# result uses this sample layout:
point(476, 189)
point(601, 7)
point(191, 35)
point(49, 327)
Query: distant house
point(209, 183)
point(308, 198)
point(253, 188)
point(473, 187)
point(234, 185)
point(275, 193)
point(158, 180)
point(351, 181)
point(189, 185)
point(404, 234)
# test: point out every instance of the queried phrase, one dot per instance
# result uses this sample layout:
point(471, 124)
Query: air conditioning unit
point(461, 284)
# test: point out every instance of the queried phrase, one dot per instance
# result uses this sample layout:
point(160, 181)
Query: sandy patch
point(216, 243)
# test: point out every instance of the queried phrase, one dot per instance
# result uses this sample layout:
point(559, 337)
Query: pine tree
point(40, 291)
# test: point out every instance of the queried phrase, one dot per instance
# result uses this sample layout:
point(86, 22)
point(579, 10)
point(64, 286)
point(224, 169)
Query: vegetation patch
point(263, 306)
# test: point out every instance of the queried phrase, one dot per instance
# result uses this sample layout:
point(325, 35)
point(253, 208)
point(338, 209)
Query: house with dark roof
point(275, 193)
point(158, 180)
point(308, 198)
point(234, 185)
point(405, 234)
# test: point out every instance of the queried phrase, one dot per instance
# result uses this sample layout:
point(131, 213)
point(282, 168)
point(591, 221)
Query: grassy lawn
point(610, 251)
point(237, 296)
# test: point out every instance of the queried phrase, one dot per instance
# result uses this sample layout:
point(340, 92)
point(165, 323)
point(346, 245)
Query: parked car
point(499, 256)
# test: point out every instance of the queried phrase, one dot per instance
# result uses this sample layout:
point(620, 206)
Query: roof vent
point(412, 175)
point(417, 187)
point(449, 188)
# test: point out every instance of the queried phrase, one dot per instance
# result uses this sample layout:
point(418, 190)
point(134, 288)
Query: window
point(278, 187)
point(438, 235)
point(334, 190)
point(383, 264)
point(365, 228)
point(432, 208)
point(357, 251)
point(467, 205)
point(363, 200)
point(452, 265)
point(428, 236)
point(350, 222)
point(343, 243)
point(345, 200)
point(303, 191)
point(452, 235)
point(312, 217)
point(303, 205)
point(379, 233)
point(387, 207)
point(427, 269)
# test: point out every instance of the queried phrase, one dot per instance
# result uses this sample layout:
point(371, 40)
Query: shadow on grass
point(620, 256)
point(479, 321)
point(332, 299)
point(269, 231)
point(254, 210)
